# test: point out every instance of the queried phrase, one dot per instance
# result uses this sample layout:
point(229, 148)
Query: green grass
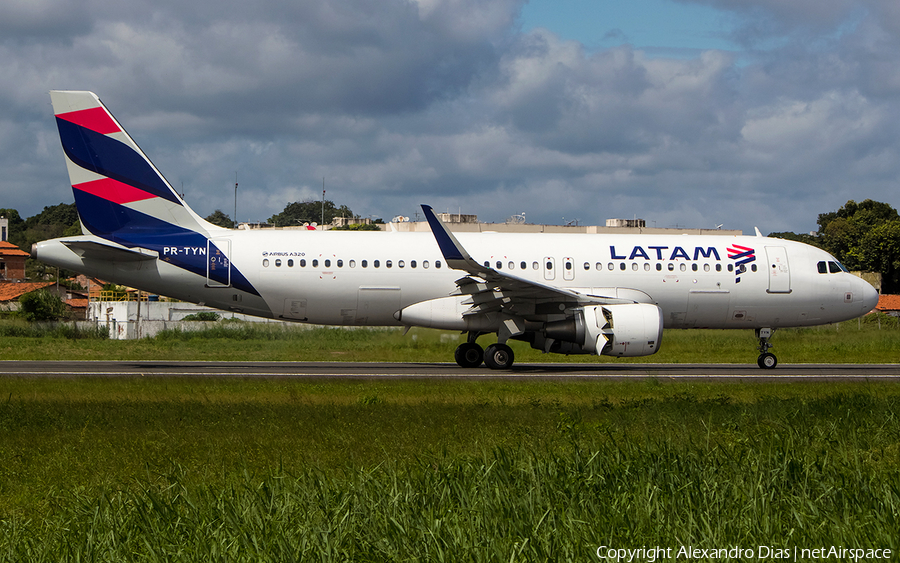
point(849, 342)
point(278, 469)
point(147, 469)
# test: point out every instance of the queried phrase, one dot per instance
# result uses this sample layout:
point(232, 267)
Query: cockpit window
point(831, 267)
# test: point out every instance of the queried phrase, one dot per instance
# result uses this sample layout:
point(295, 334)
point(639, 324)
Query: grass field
point(351, 470)
point(257, 469)
point(875, 339)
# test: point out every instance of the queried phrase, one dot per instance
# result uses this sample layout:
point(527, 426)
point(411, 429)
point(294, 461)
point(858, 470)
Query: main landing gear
point(766, 359)
point(496, 356)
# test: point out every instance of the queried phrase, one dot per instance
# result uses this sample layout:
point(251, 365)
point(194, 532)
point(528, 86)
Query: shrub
point(202, 316)
point(41, 305)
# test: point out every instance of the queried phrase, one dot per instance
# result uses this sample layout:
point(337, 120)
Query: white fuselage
point(365, 278)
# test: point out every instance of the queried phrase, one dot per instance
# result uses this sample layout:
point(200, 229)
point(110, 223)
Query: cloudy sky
point(690, 113)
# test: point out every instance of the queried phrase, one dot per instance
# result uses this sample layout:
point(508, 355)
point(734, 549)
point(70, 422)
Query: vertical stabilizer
point(119, 193)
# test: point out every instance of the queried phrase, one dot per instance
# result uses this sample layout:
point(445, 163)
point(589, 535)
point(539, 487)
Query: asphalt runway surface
point(612, 371)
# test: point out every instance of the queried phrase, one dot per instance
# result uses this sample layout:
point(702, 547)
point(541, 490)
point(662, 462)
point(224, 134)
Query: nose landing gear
point(766, 359)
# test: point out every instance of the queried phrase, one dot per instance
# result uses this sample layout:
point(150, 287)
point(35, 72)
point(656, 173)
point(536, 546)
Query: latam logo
point(742, 256)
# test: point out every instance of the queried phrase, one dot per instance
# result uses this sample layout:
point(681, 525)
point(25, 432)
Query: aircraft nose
point(870, 296)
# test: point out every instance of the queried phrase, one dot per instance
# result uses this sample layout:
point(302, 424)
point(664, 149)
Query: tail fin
point(119, 193)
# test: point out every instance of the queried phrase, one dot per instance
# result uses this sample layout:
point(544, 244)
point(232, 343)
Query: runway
point(611, 371)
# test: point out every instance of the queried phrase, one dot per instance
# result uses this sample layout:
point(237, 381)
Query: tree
point(54, 221)
point(310, 211)
point(41, 305)
point(843, 231)
point(879, 251)
point(221, 219)
point(865, 236)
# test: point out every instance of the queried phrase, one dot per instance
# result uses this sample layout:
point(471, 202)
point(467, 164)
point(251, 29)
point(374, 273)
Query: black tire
point(499, 356)
point(469, 355)
point(767, 361)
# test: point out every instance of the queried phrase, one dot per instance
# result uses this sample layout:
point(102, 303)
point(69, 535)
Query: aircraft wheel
point(767, 361)
point(499, 356)
point(469, 355)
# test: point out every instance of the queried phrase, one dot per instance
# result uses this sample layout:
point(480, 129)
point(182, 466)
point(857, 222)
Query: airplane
point(602, 294)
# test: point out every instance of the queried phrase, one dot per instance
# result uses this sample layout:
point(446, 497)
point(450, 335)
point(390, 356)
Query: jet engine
point(624, 330)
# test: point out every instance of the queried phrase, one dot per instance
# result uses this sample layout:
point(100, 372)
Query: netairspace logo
point(762, 552)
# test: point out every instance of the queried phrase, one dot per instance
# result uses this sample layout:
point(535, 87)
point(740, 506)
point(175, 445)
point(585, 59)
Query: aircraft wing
point(92, 249)
point(491, 290)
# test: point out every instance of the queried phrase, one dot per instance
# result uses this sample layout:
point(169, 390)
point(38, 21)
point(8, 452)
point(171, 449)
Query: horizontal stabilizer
point(94, 250)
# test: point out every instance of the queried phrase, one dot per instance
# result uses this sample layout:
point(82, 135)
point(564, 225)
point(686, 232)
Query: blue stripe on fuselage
point(132, 228)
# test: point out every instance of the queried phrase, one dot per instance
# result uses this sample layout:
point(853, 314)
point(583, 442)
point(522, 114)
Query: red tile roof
point(10, 291)
point(77, 303)
point(9, 249)
point(888, 303)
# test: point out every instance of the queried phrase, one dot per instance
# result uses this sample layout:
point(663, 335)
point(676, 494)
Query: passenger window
point(315, 263)
point(646, 266)
point(731, 267)
point(549, 265)
point(823, 269)
point(340, 263)
point(388, 263)
point(487, 264)
point(425, 264)
point(534, 266)
point(568, 265)
point(522, 265)
point(718, 267)
point(401, 263)
point(610, 266)
point(587, 266)
point(671, 267)
point(364, 263)
point(412, 263)
point(499, 265)
point(278, 263)
point(634, 266)
point(742, 268)
point(353, 263)
point(327, 263)
point(658, 267)
point(303, 262)
point(695, 267)
point(511, 265)
point(290, 263)
point(706, 267)
point(622, 266)
point(753, 267)
point(265, 263)
point(683, 267)
point(437, 264)
point(376, 263)
point(599, 266)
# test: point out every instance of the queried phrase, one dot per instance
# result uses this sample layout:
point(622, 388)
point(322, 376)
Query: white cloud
point(445, 102)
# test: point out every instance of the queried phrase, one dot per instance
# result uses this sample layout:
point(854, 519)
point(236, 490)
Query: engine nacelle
point(626, 330)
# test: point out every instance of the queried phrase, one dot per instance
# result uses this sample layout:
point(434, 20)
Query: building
point(889, 305)
point(10, 292)
point(627, 223)
point(12, 262)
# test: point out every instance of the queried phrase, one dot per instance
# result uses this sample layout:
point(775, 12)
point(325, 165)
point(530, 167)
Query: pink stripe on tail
point(114, 191)
point(95, 119)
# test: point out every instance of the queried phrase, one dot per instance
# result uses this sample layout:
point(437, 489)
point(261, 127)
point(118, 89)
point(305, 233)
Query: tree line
point(863, 236)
